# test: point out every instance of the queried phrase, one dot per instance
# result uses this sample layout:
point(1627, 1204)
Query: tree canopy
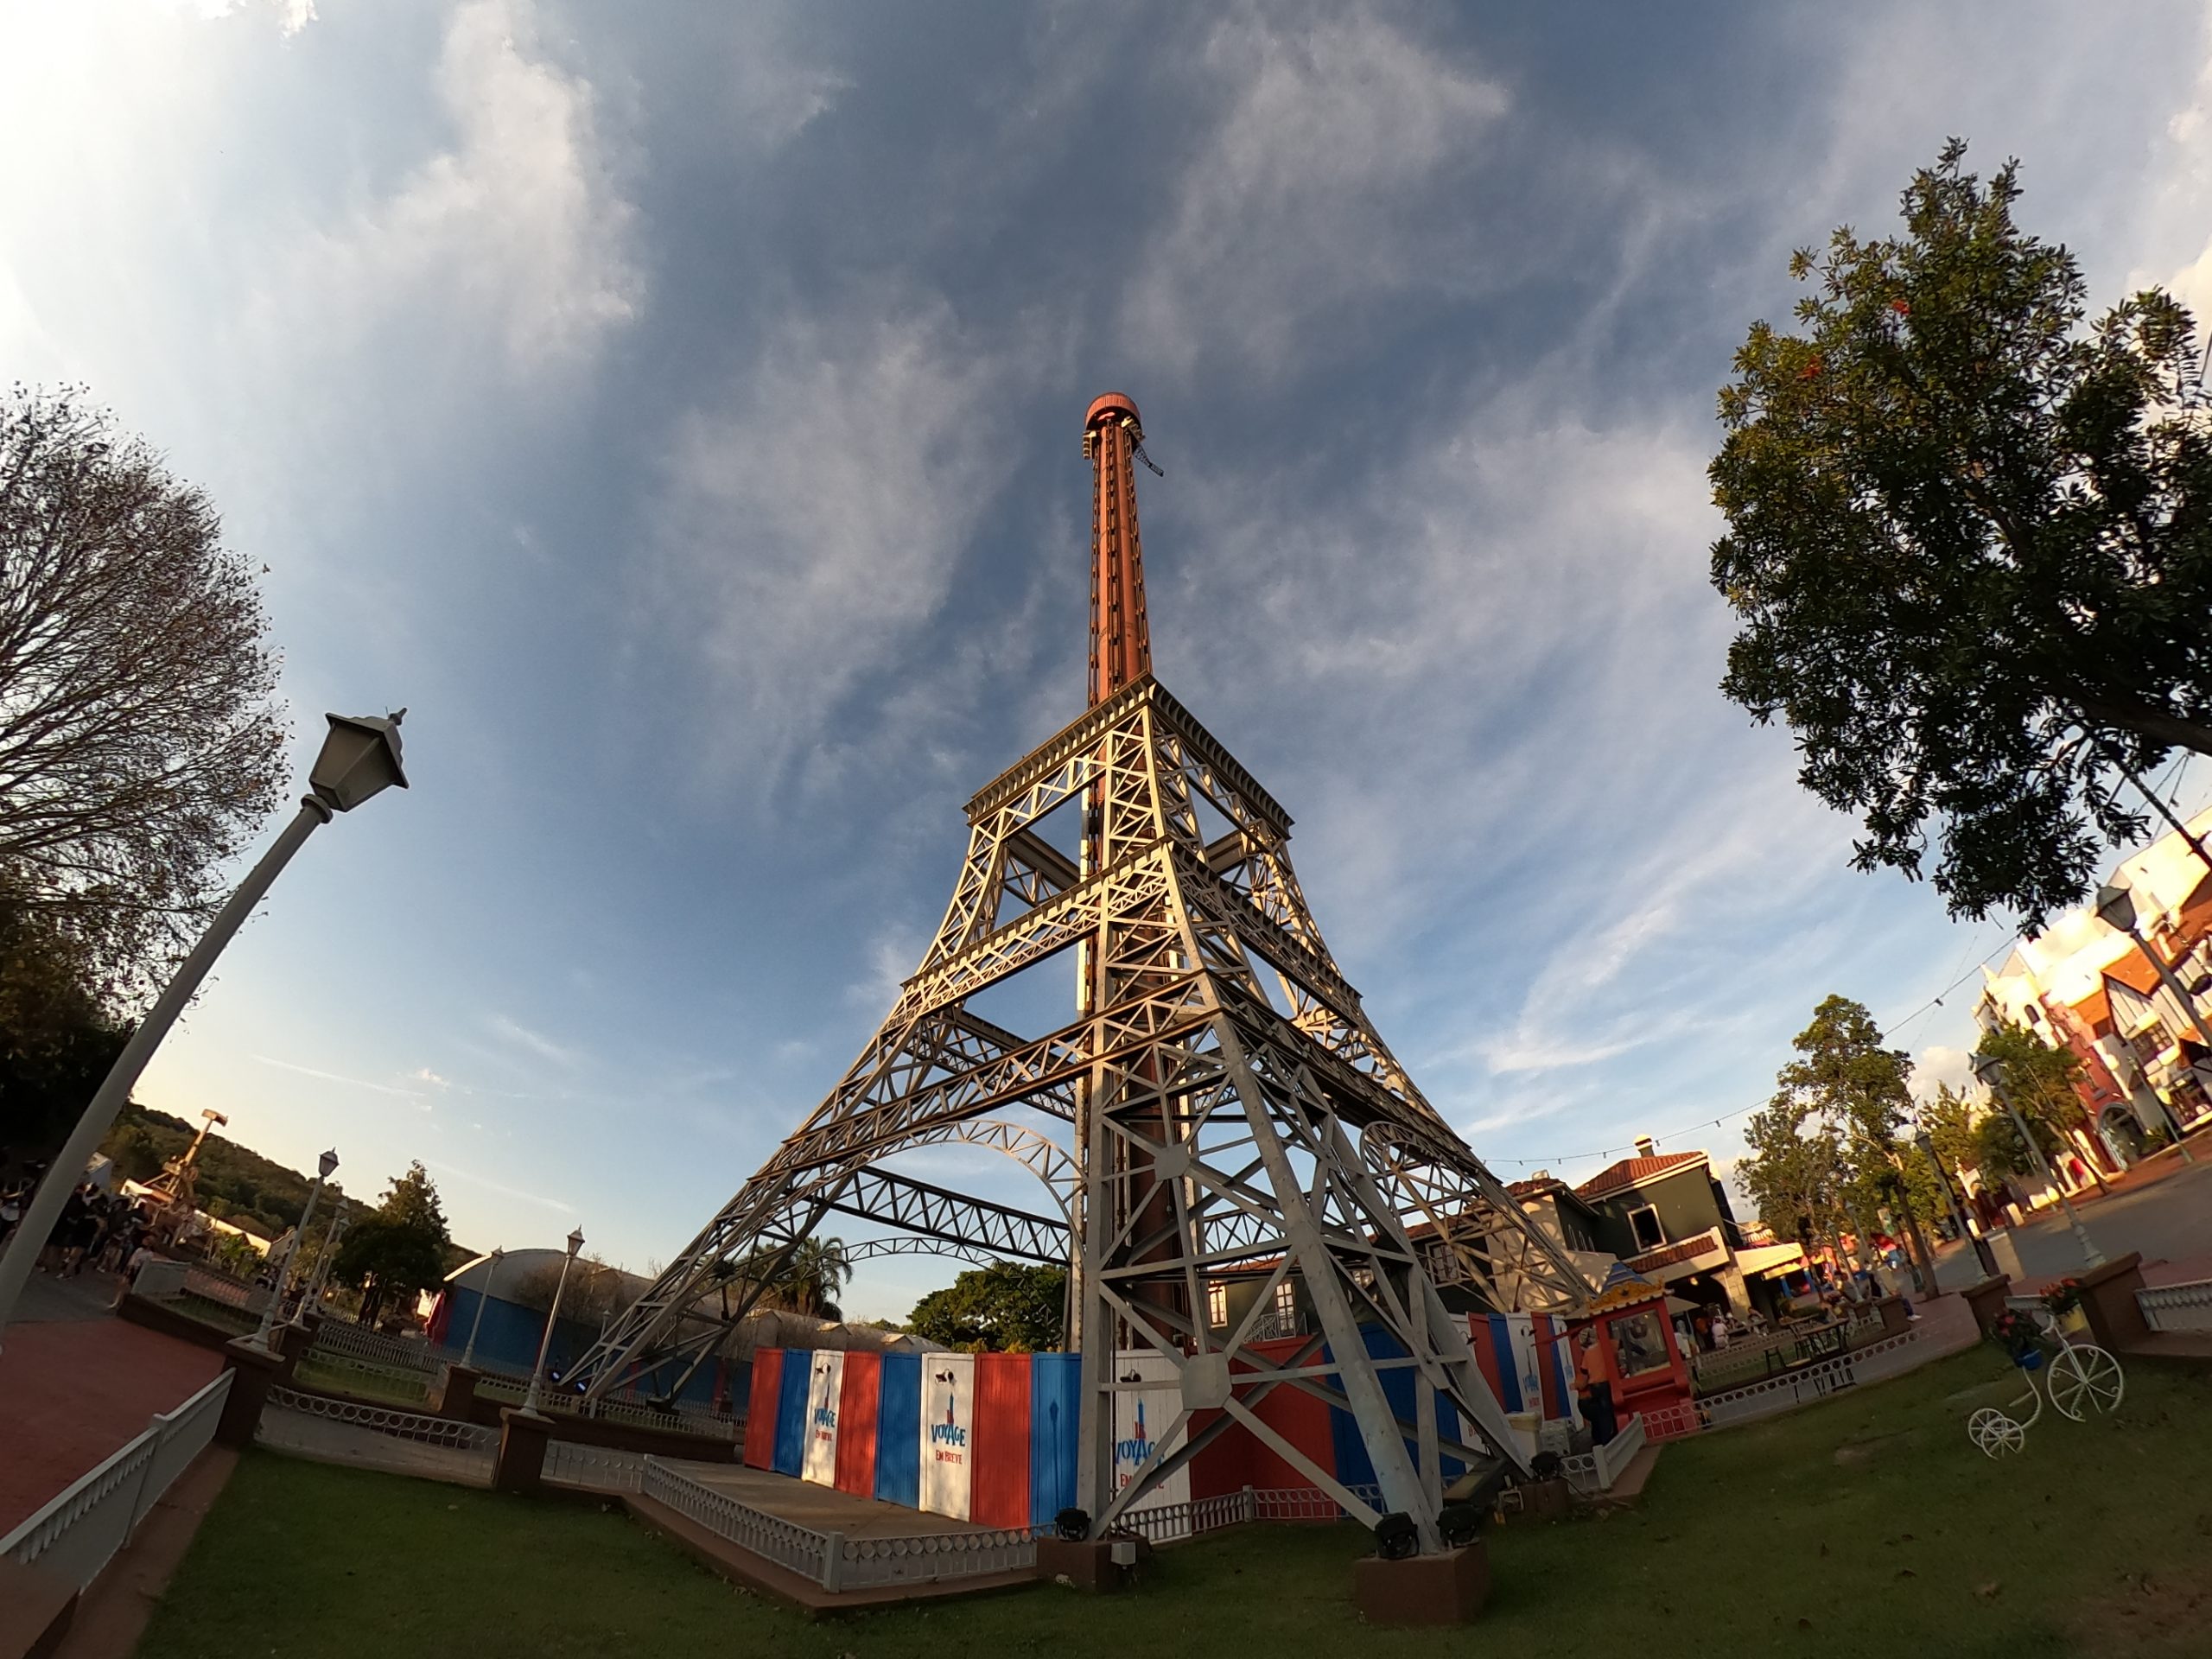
point(140, 744)
point(1008, 1307)
point(399, 1248)
point(1970, 543)
point(1829, 1151)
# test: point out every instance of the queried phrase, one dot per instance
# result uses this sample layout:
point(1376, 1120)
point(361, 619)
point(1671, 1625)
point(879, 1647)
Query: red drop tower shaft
point(1120, 642)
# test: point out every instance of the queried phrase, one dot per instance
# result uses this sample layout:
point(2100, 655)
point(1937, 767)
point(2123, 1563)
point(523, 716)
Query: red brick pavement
point(75, 1385)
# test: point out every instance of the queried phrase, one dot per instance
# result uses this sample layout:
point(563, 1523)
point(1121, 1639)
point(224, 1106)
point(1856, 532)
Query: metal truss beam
point(931, 1211)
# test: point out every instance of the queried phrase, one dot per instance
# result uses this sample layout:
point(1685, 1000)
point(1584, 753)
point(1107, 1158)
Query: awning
point(1762, 1259)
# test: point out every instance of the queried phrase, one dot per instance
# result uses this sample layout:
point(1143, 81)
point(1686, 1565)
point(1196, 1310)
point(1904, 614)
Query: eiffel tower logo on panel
point(1219, 1108)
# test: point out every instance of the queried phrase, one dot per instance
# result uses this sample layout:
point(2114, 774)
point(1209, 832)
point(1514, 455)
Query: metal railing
point(2177, 1307)
point(79, 1532)
point(413, 1426)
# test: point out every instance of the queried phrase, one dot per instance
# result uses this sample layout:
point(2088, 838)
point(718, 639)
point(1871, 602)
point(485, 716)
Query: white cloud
point(1310, 192)
point(518, 232)
point(335, 1077)
point(812, 523)
point(523, 1037)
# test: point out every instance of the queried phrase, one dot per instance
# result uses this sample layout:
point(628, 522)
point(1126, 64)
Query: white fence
point(2177, 1307)
point(1872, 1363)
point(597, 1468)
point(413, 1426)
point(79, 1533)
point(1596, 1470)
point(801, 1550)
point(169, 1281)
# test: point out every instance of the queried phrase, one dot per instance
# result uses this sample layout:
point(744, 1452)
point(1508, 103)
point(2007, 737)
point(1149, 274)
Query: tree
point(1970, 543)
point(398, 1249)
point(807, 1277)
point(1795, 1178)
point(2040, 1080)
point(56, 1041)
point(1008, 1307)
point(1854, 1094)
point(139, 740)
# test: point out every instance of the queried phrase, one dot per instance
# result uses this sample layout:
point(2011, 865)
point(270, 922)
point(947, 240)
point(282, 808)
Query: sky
point(678, 411)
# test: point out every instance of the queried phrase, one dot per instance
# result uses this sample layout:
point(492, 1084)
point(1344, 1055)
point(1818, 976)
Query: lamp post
point(1981, 1250)
point(299, 1237)
point(545, 1342)
point(2116, 909)
point(1991, 1071)
point(468, 1354)
point(359, 758)
point(312, 1296)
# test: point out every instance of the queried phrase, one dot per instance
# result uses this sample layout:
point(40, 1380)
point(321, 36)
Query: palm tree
point(814, 1275)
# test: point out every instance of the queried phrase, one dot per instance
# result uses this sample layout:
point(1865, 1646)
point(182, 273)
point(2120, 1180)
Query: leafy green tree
point(1970, 543)
point(398, 1249)
point(1795, 1174)
point(807, 1277)
point(1855, 1093)
point(2040, 1079)
point(140, 742)
point(1008, 1307)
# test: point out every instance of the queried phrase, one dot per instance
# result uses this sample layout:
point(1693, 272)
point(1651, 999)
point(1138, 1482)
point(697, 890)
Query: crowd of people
point(100, 1229)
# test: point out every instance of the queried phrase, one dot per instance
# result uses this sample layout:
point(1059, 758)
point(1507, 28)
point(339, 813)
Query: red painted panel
point(998, 1491)
point(760, 1418)
point(856, 1409)
point(1237, 1458)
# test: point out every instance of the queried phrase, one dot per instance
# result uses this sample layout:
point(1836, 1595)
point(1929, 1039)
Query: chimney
point(1646, 1147)
point(1541, 1175)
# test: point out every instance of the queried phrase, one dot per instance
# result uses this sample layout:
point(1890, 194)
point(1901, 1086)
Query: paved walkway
point(2166, 1214)
point(76, 1383)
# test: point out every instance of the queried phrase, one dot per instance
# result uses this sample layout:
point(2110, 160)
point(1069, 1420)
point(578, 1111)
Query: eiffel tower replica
point(1219, 1106)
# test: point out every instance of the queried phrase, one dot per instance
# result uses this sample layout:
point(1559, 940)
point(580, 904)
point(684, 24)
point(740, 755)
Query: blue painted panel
point(1055, 1398)
point(1354, 1466)
point(899, 1430)
point(791, 1410)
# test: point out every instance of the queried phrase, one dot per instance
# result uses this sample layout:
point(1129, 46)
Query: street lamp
point(329, 1163)
point(2116, 909)
point(468, 1354)
point(359, 758)
point(312, 1296)
point(546, 1343)
point(1991, 1071)
point(1982, 1253)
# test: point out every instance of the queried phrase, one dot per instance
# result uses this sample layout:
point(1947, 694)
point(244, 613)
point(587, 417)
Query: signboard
point(947, 1433)
point(1140, 1416)
point(825, 1387)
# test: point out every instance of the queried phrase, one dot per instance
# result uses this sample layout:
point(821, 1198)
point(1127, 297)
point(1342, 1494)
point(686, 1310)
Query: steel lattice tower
point(1220, 1103)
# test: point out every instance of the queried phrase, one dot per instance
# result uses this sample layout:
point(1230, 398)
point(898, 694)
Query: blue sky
point(678, 412)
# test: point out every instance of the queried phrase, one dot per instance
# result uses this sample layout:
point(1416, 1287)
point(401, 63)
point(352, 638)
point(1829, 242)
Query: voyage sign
point(947, 1433)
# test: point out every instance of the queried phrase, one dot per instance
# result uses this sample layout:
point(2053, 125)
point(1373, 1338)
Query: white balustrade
point(2177, 1307)
point(79, 1532)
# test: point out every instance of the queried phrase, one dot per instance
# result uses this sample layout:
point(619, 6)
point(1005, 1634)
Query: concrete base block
point(1090, 1565)
point(456, 1394)
point(521, 1465)
point(1427, 1590)
point(254, 1371)
point(2116, 1320)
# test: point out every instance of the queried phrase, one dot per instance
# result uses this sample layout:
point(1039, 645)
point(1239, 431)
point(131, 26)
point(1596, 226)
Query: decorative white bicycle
point(2081, 1378)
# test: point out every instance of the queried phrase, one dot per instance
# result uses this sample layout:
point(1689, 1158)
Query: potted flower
point(2020, 1338)
point(2064, 1299)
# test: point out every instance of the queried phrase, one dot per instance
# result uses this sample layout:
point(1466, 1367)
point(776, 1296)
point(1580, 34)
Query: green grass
point(392, 1387)
point(1864, 1526)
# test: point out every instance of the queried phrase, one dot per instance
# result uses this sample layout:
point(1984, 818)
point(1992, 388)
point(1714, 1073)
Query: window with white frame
point(1286, 1303)
point(1217, 1305)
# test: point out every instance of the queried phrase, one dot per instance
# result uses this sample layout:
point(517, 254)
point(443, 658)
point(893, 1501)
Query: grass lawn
point(1867, 1525)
